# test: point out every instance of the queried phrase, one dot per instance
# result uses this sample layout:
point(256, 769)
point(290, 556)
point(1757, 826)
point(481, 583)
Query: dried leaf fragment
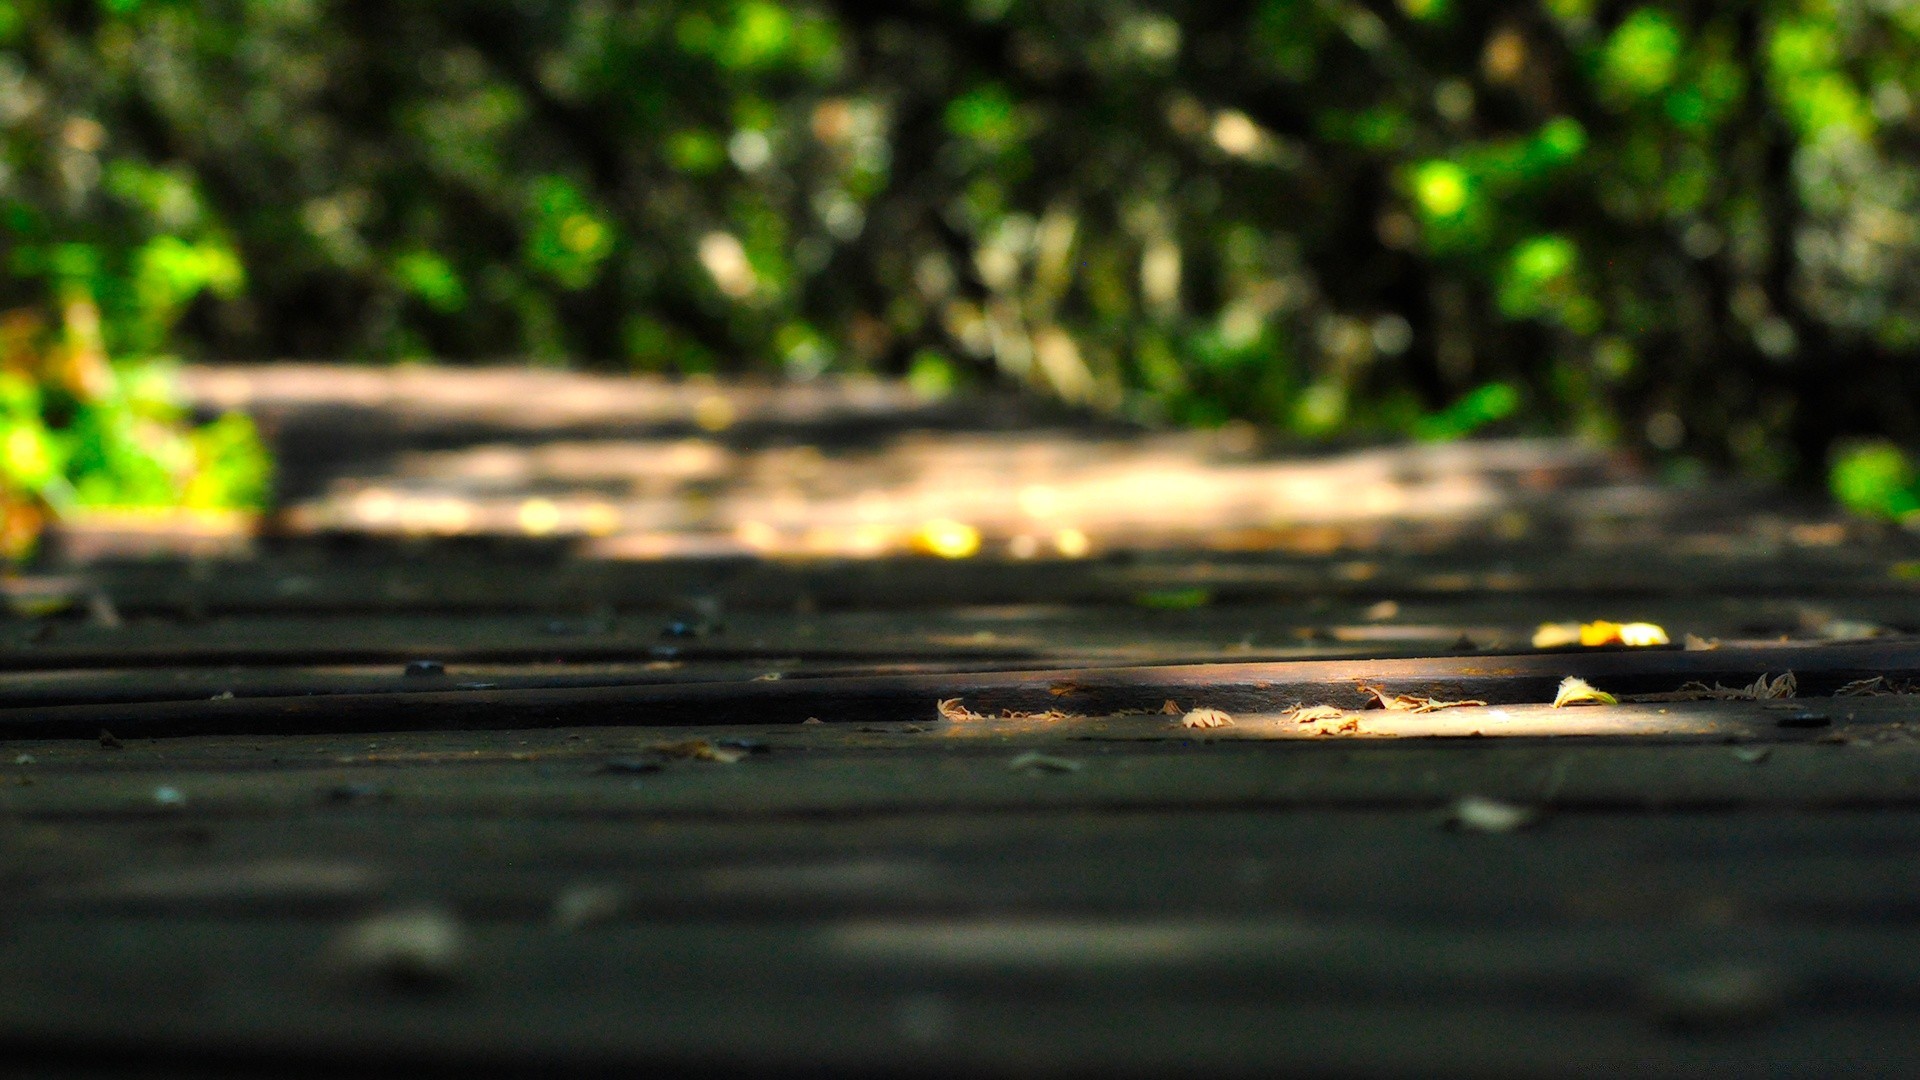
point(1696, 643)
point(1050, 714)
point(1312, 714)
point(952, 709)
point(1576, 691)
point(1868, 687)
point(1170, 708)
point(1477, 813)
point(698, 750)
point(1206, 718)
point(1034, 761)
point(1412, 703)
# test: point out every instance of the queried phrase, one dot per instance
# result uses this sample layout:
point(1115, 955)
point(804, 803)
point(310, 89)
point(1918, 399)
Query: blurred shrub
point(1689, 227)
point(81, 433)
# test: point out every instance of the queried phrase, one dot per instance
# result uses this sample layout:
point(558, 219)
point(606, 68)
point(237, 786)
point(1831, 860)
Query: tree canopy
point(1685, 226)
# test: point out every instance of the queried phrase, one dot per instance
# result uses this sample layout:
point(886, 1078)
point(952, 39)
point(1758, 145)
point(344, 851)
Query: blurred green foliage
point(78, 432)
point(1683, 226)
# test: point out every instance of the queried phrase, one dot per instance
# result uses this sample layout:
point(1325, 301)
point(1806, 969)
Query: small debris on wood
point(770, 676)
point(813, 720)
point(1170, 707)
point(1034, 761)
point(415, 950)
point(1576, 691)
point(1696, 643)
point(1312, 714)
point(109, 742)
point(355, 793)
point(1206, 718)
point(424, 668)
point(1873, 686)
point(1851, 630)
point(1752, 755)
point(1412, 703)
point(25, 759)
point(1477, 813)
point(224, 695)
point(698, 750)
point(1050, 714)
point(1717, 997)
point(751, 746)
point(583, 905)
point(1464, 643)
point(1062, 689)
point(101, 610)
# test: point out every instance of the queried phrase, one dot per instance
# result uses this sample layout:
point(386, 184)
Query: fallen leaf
point(1170, 708)
point(1034, 761)
point(1575, 691)
point(1062, 689)
point(1761, 689)
point(1309, 714)
point(1696, 643)
point(1206, 718)
point(1412, 703)
point(1476, 813)
point(1597, 633)
point(946, 538)
point(951, 709)
point(1868, 687)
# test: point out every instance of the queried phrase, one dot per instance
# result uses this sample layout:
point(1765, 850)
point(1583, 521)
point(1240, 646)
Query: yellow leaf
point(947, 538)
point(1579, 692)
point(1597, 633)
point(1556, 635)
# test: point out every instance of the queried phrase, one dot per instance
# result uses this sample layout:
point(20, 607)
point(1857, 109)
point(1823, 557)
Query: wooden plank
point(618, 772)
point(1114, 633)
point(1036, 996)
point(1766, 863)
point(1249, 688)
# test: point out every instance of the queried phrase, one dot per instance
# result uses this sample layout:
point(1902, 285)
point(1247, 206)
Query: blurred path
point(634, 467)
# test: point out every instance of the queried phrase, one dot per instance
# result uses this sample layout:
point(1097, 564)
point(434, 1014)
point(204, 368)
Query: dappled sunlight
point(640, 469)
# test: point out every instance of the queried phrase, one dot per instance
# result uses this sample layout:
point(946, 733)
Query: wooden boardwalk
point(516, 801)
